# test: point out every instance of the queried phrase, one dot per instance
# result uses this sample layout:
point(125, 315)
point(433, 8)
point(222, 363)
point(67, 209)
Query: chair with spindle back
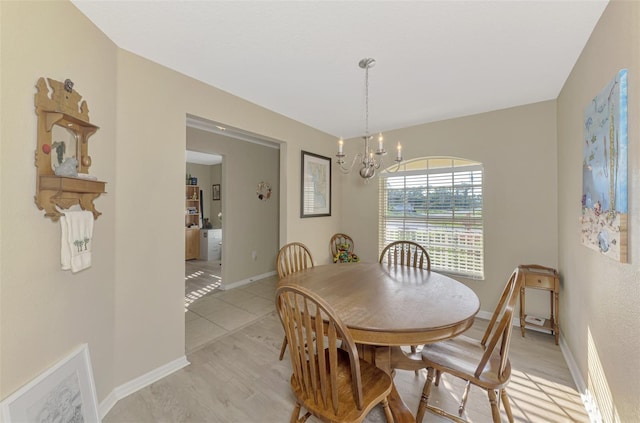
point(329, 379)
point(406, 253)
point(292, 257)
point(484, 363)
point(339, 240)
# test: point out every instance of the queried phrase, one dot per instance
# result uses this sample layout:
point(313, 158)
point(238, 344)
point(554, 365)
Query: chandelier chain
point(366, 101)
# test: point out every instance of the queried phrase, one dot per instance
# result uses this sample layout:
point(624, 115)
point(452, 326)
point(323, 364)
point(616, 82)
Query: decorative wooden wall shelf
point(63, 134)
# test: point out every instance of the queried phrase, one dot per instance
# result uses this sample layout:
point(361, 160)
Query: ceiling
point(196, 157)
point(435, 59)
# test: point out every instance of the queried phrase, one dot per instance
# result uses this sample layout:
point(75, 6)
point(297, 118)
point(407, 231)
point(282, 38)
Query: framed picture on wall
point(315, 185)
point(215, 192)
point(63, 393)
point(605, 213)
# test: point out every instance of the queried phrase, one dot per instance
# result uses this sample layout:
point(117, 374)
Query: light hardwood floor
point(235, 374)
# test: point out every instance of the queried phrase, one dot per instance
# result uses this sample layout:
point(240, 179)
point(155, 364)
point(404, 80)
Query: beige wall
point(152, 105)
point(249, 223)
point(129, 305)
point(46, 312)
point(517, 147)
point(599, 297)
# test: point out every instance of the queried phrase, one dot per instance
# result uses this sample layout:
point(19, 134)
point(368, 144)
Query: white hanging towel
point(76, 240)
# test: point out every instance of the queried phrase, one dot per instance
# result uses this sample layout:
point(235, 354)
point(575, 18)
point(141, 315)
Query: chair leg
point(463, 402)
point(387, 410)
point(283, 348)
point(495, 411)
point(438, 374)
point(295, 413)
point(426, 391)
point(507, 405)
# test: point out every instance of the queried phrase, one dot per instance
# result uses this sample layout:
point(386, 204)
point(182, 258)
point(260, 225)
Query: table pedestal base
point(389, 359)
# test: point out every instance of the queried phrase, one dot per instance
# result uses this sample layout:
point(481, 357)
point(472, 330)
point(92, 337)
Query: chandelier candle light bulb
point(399, 157)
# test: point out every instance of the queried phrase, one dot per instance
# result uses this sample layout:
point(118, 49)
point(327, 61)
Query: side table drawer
point(533, 280)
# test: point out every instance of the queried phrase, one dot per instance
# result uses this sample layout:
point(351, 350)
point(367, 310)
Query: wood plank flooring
point(236, 376)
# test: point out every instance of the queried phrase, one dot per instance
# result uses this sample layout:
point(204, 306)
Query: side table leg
point(522, 310)
point(556, 324)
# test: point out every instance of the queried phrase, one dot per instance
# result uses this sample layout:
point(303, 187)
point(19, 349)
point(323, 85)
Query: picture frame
point(65, 392)
point(215, 192)
point(315, 185)
point(605, 213)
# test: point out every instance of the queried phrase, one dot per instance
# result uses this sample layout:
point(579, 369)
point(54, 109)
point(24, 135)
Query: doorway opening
point(203, 225)
point(250, 227)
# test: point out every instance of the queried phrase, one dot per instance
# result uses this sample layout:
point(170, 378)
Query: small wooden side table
point(545, 278)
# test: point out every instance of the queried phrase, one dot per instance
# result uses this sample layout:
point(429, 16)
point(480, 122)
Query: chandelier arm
point(394, 168)
point(347, 169)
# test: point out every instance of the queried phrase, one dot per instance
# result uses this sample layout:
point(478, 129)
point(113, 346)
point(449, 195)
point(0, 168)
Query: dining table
point(389, 306)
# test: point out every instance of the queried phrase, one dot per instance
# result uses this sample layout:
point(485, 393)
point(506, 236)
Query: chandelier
point(369, 160)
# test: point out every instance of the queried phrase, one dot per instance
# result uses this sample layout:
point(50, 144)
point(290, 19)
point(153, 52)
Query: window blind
point(436, 202)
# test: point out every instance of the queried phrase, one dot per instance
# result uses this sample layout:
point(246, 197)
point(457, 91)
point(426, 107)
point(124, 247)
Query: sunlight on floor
point(533, 398)
point(538, 398)
point(192, 296)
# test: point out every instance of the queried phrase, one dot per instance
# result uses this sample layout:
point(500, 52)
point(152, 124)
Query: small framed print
point(215, 192)
point(63, 393)
point(315, 185)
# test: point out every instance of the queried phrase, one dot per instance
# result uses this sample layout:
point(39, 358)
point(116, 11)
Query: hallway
point(211, 312)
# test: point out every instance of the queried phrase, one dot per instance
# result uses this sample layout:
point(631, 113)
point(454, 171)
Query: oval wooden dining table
point(386, 307)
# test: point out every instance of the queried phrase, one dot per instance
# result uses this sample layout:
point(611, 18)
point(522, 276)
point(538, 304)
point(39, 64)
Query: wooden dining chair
point(338, 240)
point(406, 253)
point(329, 379)
point(292, 257)
point(483, 363)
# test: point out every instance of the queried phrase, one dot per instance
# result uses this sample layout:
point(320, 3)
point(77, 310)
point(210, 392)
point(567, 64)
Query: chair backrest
point(293, 257)
point(340, 239)
point(313, 330)
point(500, 326)
point(406, 253)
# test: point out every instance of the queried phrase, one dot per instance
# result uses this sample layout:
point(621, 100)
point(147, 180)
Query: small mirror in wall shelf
point(62, 154)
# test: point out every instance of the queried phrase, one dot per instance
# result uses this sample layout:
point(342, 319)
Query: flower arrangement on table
point(344, 256)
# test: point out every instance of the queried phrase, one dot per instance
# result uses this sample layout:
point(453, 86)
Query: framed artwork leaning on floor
point(63, 393)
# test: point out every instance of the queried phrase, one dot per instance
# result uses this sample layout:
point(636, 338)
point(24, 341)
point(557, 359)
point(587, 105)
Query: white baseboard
point(248, 280)
point(587, 399)
point(138, 383)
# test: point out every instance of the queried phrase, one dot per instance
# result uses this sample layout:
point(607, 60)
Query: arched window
point(436, 202)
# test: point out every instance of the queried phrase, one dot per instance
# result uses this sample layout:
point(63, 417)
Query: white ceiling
point(196, 157)
point(435, 59)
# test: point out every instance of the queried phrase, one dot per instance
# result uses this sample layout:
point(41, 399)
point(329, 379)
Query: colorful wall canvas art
point(604, 170)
